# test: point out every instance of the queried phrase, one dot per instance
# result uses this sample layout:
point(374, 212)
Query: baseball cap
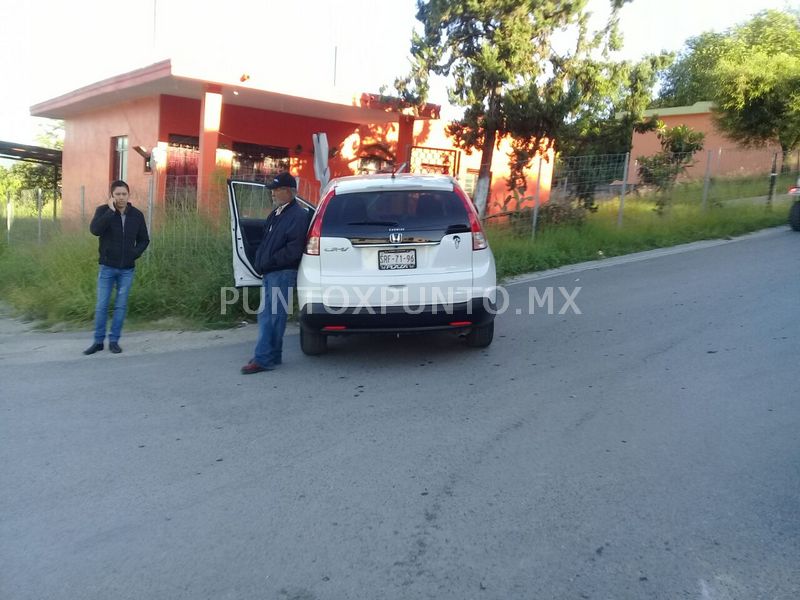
point(282, 180)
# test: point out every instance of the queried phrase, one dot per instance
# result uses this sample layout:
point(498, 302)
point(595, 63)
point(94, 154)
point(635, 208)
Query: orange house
point(175, 135)
point(727, 158)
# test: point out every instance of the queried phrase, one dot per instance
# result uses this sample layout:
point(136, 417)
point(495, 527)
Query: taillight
point(315, 231)
point(479, 241)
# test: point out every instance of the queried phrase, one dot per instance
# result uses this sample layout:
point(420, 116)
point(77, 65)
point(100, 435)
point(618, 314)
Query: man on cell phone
point(123, 238)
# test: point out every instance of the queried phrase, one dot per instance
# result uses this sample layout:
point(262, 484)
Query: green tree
point(678, 146)
point(9, 182)
point(606, 124)
point(691, 78)
point(508, 72)
point(757, 98)
point(22, 175)
point(751, 73)
point(51, 135)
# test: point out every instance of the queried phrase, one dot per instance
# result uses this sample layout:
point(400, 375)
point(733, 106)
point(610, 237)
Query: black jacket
point(284, 239)
point(118, 248)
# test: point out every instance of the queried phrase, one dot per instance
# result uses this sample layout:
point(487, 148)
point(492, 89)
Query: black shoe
point(114, 347)
point(96, 347)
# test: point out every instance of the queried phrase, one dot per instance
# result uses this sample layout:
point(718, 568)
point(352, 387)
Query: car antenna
point(398, 169)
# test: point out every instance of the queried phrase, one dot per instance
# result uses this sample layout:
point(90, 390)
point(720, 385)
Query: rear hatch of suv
point(395, 247)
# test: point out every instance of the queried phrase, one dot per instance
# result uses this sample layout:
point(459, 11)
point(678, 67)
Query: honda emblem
point(395, 238)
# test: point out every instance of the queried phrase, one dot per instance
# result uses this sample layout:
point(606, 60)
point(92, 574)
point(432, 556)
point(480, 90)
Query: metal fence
point(433, 161)
point(707, 179)
point(30, 215)
point(588, 177)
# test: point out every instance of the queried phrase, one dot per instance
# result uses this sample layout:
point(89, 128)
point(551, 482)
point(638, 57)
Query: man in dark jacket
point(277, 259)
point(123, 237)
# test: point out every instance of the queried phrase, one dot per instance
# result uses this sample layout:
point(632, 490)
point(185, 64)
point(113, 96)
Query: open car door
point(250, 203)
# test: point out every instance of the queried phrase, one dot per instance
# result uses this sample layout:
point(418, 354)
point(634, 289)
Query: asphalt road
point(648, 447)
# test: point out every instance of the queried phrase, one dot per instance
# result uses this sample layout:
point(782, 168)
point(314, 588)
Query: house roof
point(179, 80)
point(697, 108)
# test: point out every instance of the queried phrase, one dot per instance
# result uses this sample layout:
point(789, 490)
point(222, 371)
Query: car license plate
point(389, 260)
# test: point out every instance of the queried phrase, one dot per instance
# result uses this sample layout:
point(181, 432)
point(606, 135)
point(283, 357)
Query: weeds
point(179, 278)
point(644, 229)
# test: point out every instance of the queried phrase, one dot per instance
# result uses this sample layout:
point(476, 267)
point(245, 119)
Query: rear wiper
point(458, 228)
point(386, 223)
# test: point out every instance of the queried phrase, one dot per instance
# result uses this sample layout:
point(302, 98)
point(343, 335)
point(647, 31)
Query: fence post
point(624, 189)
point(9, 216)
point(150, 200)
point(83, 205)
point(39, 210)
point(536, 199)
point(773, 179)
point(707, 181)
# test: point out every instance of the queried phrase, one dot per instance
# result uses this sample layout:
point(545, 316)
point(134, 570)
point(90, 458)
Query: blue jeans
point(272, 315)
point(107, 278)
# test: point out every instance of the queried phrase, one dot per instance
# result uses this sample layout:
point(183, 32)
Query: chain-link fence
point(588, 179)
point(714, 177)
point(705, 179)
point(32, 215)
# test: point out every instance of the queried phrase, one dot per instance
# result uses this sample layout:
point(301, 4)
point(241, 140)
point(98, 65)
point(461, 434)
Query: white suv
point(402, 253)
point(395, 253)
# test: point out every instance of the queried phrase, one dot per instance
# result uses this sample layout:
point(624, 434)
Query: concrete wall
point(87, 158)
point(728, 158)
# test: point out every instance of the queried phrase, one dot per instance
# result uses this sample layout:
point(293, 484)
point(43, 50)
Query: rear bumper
point(396, 319)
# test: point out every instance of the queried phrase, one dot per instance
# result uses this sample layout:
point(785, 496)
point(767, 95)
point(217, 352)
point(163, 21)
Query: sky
point(50, 47)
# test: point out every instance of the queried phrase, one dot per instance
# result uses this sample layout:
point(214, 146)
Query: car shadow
point(400, 349)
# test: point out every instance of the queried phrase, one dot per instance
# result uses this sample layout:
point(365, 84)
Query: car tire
point(313, 343)
point(481, 335)
point(794, 216)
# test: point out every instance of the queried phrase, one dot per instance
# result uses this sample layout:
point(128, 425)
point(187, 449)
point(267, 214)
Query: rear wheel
point(481, 335)
point(794, 216)
point(312, 343)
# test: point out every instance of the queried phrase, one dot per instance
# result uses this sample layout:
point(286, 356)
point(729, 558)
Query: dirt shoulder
point(22, 343)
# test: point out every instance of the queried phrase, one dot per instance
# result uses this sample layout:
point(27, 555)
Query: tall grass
point(179, 279)
point(730, 188)
point(643, 229)
point(182, 272)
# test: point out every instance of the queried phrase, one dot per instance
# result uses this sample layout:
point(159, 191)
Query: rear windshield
point(408, 209)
